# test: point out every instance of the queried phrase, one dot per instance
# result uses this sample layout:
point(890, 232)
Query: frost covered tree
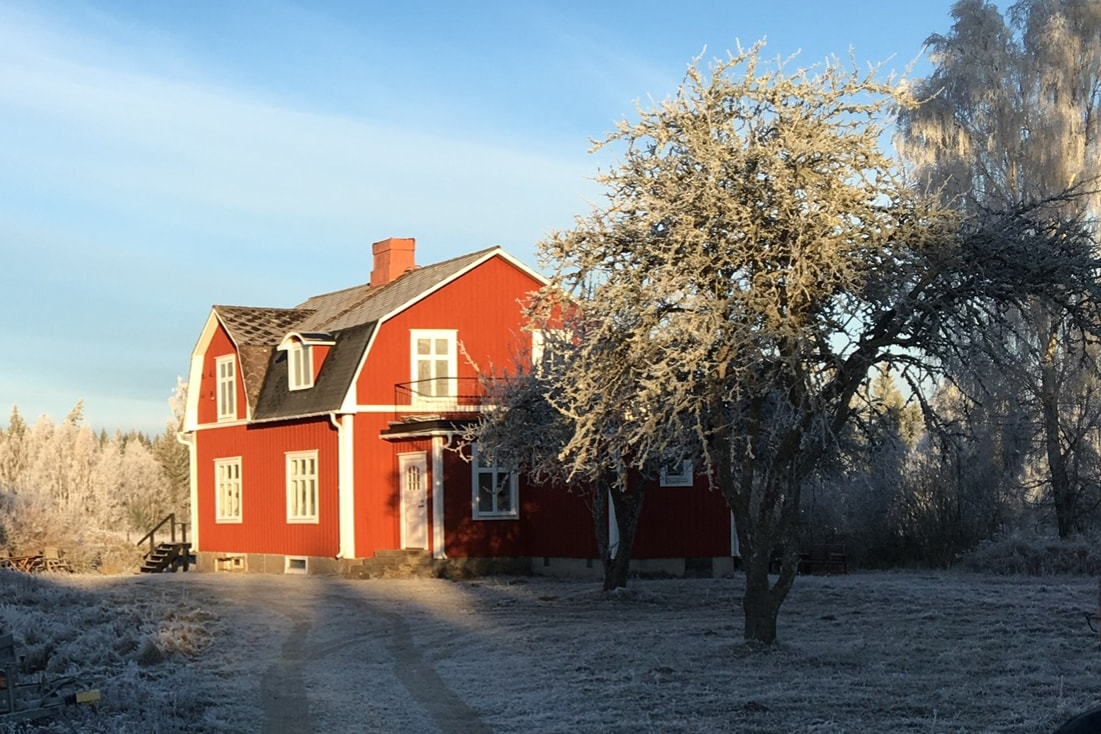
point(60, 484)
point(757, 254)
point(1012, 114)
point(172, 456)
point(537, 428)
point(13, 450)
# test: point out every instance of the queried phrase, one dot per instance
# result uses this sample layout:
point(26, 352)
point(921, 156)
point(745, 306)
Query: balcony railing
point(442, 395)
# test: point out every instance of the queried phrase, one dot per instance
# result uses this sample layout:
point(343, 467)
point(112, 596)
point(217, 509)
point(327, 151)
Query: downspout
point(187, 438)
point(346, 501)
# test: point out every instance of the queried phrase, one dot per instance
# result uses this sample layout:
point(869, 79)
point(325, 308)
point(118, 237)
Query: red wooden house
point(325, 433)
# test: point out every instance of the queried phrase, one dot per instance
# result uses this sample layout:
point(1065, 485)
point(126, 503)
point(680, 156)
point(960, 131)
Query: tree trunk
point(627, 503)
point(762, 601)
point(1062, 490)
point(760, 616)
point(616, 571)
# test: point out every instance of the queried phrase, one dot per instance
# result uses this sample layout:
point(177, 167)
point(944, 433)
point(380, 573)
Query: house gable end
point(398, 343)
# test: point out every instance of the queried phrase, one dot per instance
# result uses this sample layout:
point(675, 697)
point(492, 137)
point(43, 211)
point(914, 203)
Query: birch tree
point(1011, 115)
point(756, 254)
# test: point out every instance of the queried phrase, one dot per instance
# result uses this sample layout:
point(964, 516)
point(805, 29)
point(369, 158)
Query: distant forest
point(84, 491)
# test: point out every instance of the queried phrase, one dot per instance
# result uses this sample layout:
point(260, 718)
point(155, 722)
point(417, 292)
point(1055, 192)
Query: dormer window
point(299, 366)
point(305, 352)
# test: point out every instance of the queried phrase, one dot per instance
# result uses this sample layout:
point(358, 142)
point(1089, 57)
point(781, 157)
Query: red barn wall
point(264, 527)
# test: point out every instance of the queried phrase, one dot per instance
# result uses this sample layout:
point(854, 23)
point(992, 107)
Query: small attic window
point(299, 349)
point(299, 366)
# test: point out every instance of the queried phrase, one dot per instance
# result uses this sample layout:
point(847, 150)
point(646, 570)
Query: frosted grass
point(907, 651)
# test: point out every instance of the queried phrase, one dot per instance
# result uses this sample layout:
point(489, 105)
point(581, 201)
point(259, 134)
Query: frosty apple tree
point(756, 253)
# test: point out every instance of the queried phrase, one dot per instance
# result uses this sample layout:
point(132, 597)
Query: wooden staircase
point(171, 555)
point(167, 557)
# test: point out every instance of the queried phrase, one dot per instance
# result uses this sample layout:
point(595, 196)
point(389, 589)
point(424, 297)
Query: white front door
point(413, 471)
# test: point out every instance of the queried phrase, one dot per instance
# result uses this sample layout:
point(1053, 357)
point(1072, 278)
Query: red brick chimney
point(393, 256)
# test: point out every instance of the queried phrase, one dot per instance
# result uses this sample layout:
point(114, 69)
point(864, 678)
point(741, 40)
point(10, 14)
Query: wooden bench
point(827, 559)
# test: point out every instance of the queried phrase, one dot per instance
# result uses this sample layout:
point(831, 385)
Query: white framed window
point(299, 366)
point(677, 474)
point(296, 564)
point(227, 387)
point(538, 349)
point(547, 349)
point(227, 482)
point(496, 493)
point(302, 486)
point(433, 361)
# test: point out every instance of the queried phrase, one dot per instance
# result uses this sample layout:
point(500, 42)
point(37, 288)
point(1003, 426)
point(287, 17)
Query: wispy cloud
point(137, 189)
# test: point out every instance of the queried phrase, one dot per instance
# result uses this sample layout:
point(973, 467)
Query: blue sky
point(157, 158)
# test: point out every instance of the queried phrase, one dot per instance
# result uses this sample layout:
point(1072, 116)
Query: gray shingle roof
point(349, 315)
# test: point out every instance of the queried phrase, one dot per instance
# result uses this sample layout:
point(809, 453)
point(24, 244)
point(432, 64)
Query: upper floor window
point(677, 474)
point(496, 492)
point(299, 366)
point(305, 351)
point(547, 349)
point(227, 387)
point(302, 486)
point(227, 498)
point(434, 363)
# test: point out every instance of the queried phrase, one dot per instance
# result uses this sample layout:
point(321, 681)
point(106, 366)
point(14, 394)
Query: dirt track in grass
point(920, 652)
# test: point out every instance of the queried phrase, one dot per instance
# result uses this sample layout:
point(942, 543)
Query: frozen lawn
point(899, 652)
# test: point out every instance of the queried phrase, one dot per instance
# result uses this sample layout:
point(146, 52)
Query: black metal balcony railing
point(440, 395)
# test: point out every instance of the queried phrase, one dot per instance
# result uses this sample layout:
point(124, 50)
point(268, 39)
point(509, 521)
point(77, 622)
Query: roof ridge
point(373, 292)
point(328, 294)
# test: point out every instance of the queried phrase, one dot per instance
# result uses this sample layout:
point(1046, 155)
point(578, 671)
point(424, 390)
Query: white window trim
point(452, 337)
point(226, 387)
point(538, 349)
point(514, 493)
point(296, 565)
point(301, 517)
point(299, 366)
point(543, 343)
point(685, 478)
point(220, 514)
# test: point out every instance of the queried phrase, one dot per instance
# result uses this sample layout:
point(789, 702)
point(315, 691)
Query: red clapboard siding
point(484, 306)
point(552, 522)
point(220, 345)
point(264, 527)
point(377, 492)
point(683, 521)
point(557, 523)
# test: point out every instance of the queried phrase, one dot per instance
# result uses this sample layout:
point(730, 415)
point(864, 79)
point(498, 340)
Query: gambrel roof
point(350, 316)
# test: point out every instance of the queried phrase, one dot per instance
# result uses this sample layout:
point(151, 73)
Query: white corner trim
point(439, 531)
point(188, 440)
point(346, 485)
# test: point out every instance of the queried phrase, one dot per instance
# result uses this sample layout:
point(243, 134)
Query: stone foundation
point(405, 564)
